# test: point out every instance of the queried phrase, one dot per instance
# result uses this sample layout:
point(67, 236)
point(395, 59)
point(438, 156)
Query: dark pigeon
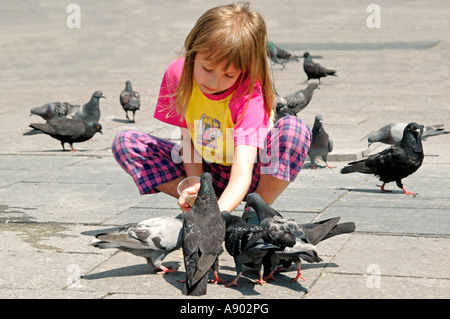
point(152, 239)
point(90, 112)
point(394, 163)
point(307, 236)
point(68, 130)
point(293, 103)
point(314, 70)
point(203, 235)
point(244, 242)
point(53, 110)
point(393, 133)
point(280, 56)
point(130, 100)
point(321, 143)
point(278, 231)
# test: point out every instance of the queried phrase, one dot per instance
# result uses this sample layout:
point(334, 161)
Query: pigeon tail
point(356, 167)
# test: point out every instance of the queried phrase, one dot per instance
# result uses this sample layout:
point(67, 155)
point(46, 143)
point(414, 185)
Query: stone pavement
point(52, 202)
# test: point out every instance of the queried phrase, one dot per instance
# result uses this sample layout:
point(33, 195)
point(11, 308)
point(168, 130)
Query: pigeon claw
point(261, 281)
point(299, 276)
point(233, 283)
point(164, 270)
point(217, 280)
point(270, 276)
point(383, 190)
point(408, 193)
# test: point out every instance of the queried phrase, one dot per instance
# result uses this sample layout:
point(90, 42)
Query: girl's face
point(213, 79)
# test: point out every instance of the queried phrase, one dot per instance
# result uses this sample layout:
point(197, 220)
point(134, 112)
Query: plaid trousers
point(150, 160)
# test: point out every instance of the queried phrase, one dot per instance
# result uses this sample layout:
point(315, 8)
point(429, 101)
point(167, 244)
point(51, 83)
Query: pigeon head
point(97, 127)
point(313, 86)
point(206, 197)
point(371, 139)
point(307, 56)
point(128, 86)
point(98, 95)
point(412, 129)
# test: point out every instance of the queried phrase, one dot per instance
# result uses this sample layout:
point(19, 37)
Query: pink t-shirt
point(251, 129)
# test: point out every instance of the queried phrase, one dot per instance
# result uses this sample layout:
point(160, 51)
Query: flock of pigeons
point(393, 164)
point(262, 238)
point(84, 121)
point(273, 242)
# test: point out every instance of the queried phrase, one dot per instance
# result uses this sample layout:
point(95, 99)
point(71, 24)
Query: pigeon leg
point(234, 282)
point(407, 192)
point(126, 114)
point(328, 166)
point(217, 280)
point(165, 270)
point(382, 188)
point(260, 281)
point(270, 276)
point(299, 275)
point(71, 147)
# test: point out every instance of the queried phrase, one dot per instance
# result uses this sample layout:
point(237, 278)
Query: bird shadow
point(126, 121)
point(128, 271)
point(369, 190)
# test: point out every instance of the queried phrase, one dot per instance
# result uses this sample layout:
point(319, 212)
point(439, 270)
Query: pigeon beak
point(103, 96)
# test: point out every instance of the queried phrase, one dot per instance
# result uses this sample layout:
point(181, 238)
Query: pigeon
point(314, 70)
point(395, 162)
point(307, 236)
point(152, 239)
point(293, 103)
point(278, 232)
point(280, 56)
point(203, 234)
point(68, 130)
point(393, 133)
point(321, 143)
point(130, 100)
point(244, 242)
point(53, 110)
point(90, 112)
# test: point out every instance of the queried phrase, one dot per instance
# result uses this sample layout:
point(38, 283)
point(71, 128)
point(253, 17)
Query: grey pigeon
point(244, 242)
point(152, 239)
point(321, 143)
point(393, 133)
point(90, 112)
point(280, 56)
point(68, 130)
point(130, 100)
point(314, 70)
point(203, 235)
point(293, 103)
point(395, 162)
point(53, 110)
point(307, 236)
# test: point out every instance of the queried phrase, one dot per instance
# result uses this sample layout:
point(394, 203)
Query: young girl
point(220, 95)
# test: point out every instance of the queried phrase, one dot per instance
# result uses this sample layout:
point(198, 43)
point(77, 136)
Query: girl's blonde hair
point(232, 34)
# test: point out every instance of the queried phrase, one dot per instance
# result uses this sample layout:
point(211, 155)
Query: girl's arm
point(240, 177)
point(192, 162)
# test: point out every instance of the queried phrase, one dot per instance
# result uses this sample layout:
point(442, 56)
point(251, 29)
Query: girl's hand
point(187, 197)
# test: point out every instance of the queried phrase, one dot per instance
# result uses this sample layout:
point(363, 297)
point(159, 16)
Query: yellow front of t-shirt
point(211, 127)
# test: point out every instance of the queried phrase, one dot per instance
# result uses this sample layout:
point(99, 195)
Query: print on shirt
point(208, 131)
